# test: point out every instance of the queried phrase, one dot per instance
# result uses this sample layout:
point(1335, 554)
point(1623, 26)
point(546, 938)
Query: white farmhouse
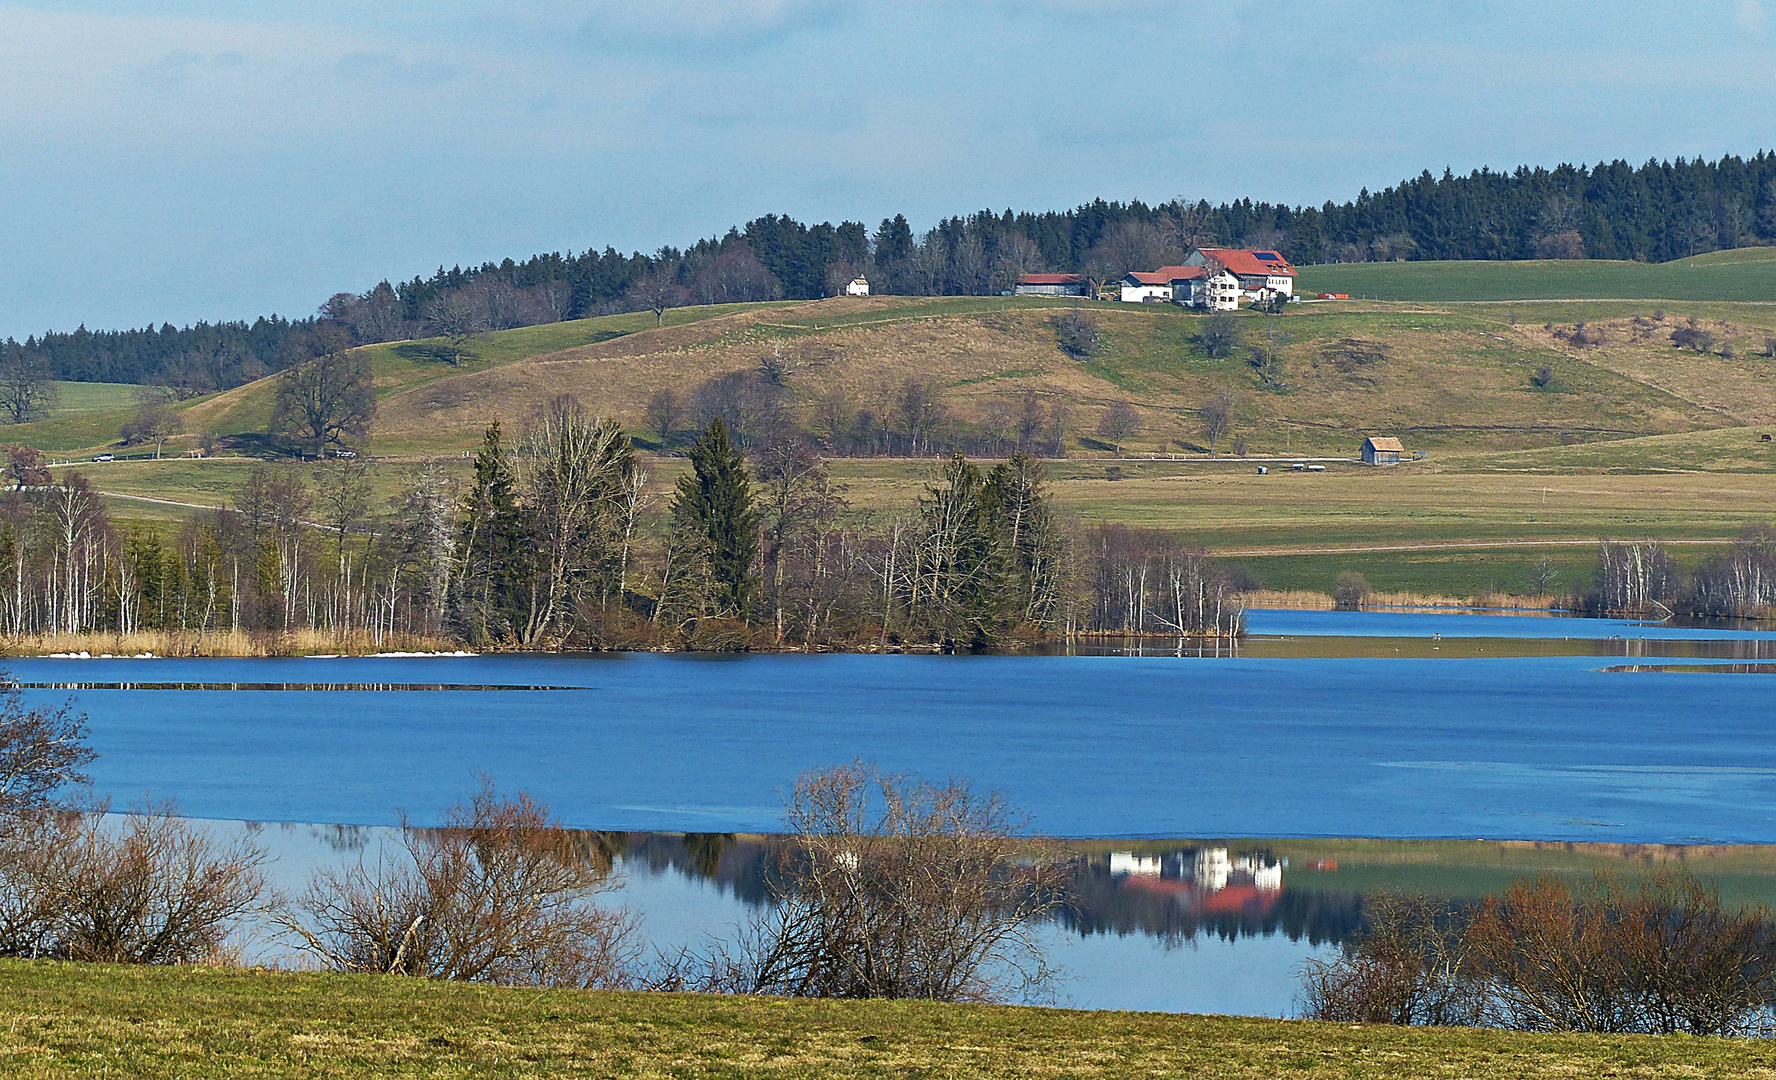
point(858, 287)
point(1261, 275)
point(1209, 287)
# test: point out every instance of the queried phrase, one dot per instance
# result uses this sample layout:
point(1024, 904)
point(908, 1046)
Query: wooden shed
point(1382, 450)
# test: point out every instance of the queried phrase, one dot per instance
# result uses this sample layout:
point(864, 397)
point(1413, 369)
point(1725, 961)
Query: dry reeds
point(300, 642)
point(1305, 600)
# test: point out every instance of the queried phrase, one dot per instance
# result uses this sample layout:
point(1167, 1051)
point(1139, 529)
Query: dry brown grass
point(1738, 389)
point(222, 643)
point(1448, 378)
point(1302, 600)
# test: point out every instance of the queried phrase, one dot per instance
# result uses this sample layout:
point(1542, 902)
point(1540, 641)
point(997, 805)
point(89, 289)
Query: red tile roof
point(1185, 273)
point(1157, 277)
point(1050, 279)
point(1250, 263)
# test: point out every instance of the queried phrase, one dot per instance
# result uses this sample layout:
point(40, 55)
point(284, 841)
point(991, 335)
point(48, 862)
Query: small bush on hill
point(1220, 335)
point(1078, 336)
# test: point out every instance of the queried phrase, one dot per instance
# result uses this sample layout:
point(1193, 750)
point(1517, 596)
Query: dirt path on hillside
point(1430, 545)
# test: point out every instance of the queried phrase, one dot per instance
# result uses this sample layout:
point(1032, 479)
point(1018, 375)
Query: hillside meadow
point(1445, 378)
point(1741, 274)
point(59, 1020)
point(1537, 439)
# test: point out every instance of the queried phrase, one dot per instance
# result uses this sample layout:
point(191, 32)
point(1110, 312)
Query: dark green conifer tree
point(493, 557)
point(714, 502)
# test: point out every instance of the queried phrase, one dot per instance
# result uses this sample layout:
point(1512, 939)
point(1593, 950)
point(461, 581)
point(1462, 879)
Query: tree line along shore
point(556, 541)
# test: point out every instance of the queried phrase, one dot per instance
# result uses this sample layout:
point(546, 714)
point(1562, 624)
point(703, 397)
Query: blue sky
point(178, 161)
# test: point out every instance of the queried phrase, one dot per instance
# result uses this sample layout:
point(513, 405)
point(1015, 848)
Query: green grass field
point(86, 398)
point(74, 1021)
point(1743, 274)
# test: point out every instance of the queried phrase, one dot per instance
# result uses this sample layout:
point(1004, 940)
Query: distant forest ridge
point(1656, 212)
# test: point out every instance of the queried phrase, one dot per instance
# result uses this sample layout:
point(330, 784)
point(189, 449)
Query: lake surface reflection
point(1320, 724)
point(1177, 925)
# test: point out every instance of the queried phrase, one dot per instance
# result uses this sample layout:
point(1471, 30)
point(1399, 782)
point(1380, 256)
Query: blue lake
point(1529, 747)
point(1521, 730)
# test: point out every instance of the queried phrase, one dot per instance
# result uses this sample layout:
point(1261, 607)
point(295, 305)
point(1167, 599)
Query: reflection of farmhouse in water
point(1175, 894)
point(1204, 881)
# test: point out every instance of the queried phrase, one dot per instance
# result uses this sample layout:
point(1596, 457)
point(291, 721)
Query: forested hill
point(1655, 212)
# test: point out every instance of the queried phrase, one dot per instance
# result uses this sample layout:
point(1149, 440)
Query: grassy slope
point(399, 367)
point(1455, 382)
point(1746, 274)
point(1455, 378)
point(1452, 378)
point(67, 1020)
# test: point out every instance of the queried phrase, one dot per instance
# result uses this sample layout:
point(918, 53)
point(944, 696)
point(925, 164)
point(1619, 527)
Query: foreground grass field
point(69, 1020)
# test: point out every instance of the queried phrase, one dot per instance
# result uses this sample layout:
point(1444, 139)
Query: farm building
point(1157, 286)
point(1206, 287)
point(857, 287)
point(1263, 275)
point(1050, 285)
point(1382, 450)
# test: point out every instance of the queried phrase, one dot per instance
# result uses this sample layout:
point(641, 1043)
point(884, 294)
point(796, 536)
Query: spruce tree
point(492, 554)
point(714, 503)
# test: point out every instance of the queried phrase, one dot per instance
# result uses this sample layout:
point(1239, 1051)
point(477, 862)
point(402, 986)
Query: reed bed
point(1304, 600)
point(301, 642)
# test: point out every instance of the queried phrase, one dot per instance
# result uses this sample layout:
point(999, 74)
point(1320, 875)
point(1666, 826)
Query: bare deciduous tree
point(892, 888)
point(655, 293)
point(1120, 421)
point(155, 421)
point(736, 276)
point(1217, 415)
point(920, 411)
point(575, 471)
point(455, 316)
point(27, 384)
point(27, 467)
point(330, 400)
point(663, 413)
point(500, 893)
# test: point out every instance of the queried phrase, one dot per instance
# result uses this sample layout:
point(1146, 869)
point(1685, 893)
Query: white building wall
point(1220, 292)
point(1146, 294)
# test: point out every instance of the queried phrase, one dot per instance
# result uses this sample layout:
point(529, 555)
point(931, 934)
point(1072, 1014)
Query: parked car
point(104, 457)
point(344, 453)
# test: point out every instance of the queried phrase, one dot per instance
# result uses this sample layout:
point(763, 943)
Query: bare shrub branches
point(1662, 957)
point(893, 888)
point(1410, 968)
point(152, 888)
point(42, 749)
point(500, 894)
